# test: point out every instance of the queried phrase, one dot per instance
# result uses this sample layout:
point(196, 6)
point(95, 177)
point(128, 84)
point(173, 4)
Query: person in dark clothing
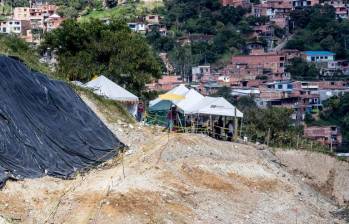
point(140, 111)
point(171, 117)
point(219, 127)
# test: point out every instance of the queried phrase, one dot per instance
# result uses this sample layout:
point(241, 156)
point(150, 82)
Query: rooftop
point(319, 53)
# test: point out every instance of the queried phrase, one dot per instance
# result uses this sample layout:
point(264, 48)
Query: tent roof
point(179, 90)
point(105, 87)
point(192, 98)
point(215, 106)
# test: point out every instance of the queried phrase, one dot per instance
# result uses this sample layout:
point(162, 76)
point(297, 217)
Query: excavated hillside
point(176, 178)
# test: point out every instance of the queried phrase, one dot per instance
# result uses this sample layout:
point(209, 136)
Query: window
point(326, 57)
point(280, 86)
point(312, 58)
point(281, 64)
point(289, 86)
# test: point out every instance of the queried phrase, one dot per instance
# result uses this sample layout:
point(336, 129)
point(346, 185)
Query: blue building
point(319, 56)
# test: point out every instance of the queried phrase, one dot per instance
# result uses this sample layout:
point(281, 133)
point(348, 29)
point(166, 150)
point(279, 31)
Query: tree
point(301, 70)
point(93, 48)
point(336, 112)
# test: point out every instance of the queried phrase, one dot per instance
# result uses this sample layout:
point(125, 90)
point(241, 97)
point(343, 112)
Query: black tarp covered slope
point(45, 128)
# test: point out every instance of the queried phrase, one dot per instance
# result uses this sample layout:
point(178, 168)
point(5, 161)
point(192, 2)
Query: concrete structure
point(304, 3)
point(153, 19)
point(319, 56)
point(199, 71)
point(18, 27)
point(137, 27)
point(166, 83)
point(53, 22)
point(329, 135)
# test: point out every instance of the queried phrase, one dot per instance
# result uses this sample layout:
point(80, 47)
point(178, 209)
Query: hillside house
point(137, 27)
point(199, 72)
point(318, 56)
point(304, 3)
point(17, 27)
point(341, 7)
point(166, 83)
point(153, 19)
point(329, 135)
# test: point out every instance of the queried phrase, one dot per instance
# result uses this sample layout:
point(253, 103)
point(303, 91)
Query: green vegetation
point(318, 29)
point(301, 70)
point(15, 47)
point(219, 31)
point(112, 110)
point(335, 112)
point(128, 12)
point(93, 48)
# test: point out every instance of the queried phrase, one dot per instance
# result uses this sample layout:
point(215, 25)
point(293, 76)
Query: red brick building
point(329, 135)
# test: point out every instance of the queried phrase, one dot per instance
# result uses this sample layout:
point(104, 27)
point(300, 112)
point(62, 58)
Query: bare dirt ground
point(177, 178)
point(324, 173)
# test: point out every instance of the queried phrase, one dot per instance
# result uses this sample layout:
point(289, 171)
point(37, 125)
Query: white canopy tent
point(179, 90)
point(215, 106)
point(195, 103)
point(105, 87)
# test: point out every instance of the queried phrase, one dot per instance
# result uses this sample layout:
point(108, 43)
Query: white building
point(319, 56)
point(199, 71)
point(14, 26)
point(137, 27)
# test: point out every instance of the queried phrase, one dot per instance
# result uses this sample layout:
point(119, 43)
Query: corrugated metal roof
point(319, 53)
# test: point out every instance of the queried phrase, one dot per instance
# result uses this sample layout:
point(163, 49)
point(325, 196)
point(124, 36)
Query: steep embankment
point(177, 178)
point(324, 173)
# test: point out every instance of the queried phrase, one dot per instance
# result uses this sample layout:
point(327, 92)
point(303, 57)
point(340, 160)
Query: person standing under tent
point(140, 111)
point(171, 117)
point(220, 127)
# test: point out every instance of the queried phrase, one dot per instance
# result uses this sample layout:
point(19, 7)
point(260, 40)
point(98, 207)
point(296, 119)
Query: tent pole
point(211, 125)
point(235, 126)
point(241, 127)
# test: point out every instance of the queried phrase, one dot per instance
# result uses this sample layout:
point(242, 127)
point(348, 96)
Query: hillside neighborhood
point(262, 72)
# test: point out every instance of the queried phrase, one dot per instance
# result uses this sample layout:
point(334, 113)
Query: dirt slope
point(325, 173)
point(177, 178)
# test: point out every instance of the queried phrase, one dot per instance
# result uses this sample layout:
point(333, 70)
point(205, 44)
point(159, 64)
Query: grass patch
point(112, 110)
point(128, 12)
point(15, 47)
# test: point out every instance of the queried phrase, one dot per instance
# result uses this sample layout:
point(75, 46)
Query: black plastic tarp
point(45, 127)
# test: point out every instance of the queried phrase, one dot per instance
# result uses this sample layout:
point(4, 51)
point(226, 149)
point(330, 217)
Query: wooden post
point(235, 126)
point(241, 127)
point(297, 141)
point(331, 146)
point(268, 137)
point(211, 124)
